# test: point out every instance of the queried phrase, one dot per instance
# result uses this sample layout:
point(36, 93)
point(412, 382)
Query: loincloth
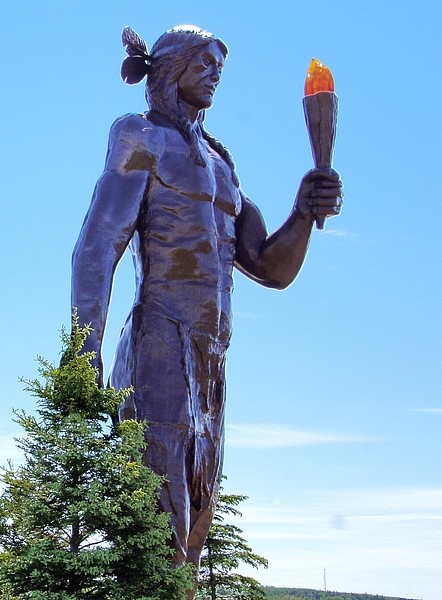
point(178, 376)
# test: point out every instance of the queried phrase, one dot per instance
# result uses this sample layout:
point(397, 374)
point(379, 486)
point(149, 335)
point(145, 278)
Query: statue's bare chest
point(176, 169)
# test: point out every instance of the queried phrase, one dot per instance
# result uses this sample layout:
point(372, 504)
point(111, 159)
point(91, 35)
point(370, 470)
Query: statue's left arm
point(275, 260)
point(108, 227)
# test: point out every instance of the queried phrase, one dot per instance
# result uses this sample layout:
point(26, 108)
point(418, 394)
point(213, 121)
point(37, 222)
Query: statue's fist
point(320, 195)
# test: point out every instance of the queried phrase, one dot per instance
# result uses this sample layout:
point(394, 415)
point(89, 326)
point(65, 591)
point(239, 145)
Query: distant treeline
point(305, 594)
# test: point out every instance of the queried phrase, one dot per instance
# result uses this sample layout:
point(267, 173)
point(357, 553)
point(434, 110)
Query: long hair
point(166, 63)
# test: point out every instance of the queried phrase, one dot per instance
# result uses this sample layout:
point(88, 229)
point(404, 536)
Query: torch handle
point(320, 111)
point(320, 222)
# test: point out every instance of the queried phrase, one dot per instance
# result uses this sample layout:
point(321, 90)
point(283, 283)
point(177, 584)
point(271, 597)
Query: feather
point(135, 46)
point(133, 69)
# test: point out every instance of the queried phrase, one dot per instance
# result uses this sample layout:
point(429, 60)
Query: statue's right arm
point(108, 227)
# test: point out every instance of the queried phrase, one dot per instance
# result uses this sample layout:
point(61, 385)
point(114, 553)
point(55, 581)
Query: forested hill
point(305, 594)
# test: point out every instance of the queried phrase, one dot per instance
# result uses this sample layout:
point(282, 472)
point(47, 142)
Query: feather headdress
point(136, 66)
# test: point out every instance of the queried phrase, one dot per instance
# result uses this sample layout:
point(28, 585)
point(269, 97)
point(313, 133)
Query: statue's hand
point(97, 362)
point(320, 194)
point(92, 344)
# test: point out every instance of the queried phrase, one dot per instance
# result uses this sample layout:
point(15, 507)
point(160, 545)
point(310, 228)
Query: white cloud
point(342, 233)
point(263, 435)
point(382, 541)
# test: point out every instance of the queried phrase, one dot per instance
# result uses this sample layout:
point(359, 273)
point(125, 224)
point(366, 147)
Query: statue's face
point(198, 83)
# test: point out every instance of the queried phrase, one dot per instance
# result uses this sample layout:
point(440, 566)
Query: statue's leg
point(178, 380)
point(209, 442)
point(166, 454)
point(150, 358)
point(199, 529)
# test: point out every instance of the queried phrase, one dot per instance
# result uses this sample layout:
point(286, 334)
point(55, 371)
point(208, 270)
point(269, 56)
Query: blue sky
point(335, 385)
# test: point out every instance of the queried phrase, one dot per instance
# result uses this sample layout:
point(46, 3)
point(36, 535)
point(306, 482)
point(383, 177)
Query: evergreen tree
point(224, 550)
point(79, 518)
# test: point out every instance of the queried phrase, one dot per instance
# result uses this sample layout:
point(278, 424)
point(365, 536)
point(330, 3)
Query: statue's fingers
point(327, 184)
point(327, 194)
point(323, 175)
point(326, 211)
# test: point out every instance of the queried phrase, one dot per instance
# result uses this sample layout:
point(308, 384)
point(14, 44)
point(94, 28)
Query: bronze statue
point(169, 191)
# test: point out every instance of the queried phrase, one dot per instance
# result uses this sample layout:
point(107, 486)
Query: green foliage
point(225, 549)
point(307, 594)
point(79, 518)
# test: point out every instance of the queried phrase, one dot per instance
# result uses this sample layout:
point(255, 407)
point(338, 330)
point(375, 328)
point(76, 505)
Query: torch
point(321, 111)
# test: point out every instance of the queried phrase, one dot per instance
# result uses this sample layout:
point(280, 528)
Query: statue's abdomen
point(185, 255)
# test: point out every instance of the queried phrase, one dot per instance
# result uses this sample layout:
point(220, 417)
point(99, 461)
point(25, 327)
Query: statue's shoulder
point(146, 130)
point(131, 124)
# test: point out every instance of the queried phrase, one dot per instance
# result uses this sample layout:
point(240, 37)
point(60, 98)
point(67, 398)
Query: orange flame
point(319, 79)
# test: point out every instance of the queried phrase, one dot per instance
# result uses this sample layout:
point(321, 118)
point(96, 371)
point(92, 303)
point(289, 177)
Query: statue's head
point(168, 61)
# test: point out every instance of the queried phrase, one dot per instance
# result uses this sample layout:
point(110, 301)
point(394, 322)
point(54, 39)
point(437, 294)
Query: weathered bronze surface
point(169, 191)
